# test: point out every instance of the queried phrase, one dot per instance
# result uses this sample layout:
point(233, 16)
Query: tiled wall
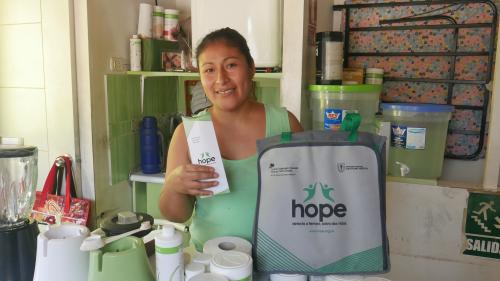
point(123, 101)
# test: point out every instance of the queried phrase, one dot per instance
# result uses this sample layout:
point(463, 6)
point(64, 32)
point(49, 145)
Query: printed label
point(333, 118)
point(407, 137)
point(415, 138)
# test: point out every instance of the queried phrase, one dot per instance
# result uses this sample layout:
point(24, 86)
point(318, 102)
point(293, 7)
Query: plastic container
point(330, 104)
point(344, 278)
point(171, 24)
point(329, 57)
point(418, 138)
point(209, 277)
point(135, 53)
point(158, 22)
point(232, 264)
point(374, 76)
point(193, 269)
point(287, 277)
point(169, 256)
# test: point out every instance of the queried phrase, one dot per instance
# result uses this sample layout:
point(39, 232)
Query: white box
point(259, 21)
point(204, 150)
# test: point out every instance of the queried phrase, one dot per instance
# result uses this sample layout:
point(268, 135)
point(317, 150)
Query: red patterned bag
point(51, 208)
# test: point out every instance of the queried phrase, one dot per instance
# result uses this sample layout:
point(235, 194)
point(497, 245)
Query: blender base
point(18, 251)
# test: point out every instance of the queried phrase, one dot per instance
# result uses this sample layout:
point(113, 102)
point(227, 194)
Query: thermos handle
point(163, 148)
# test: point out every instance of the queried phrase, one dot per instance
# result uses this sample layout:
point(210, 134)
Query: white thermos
point(169, 255)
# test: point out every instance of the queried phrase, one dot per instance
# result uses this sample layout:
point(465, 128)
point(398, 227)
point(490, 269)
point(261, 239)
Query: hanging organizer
point(437, 52)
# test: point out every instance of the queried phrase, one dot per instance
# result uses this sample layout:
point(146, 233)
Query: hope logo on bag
point(319, 210)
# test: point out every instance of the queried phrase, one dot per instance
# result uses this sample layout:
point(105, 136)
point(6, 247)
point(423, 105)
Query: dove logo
point(321, 210)
point(398, 131)
point(206, 159)
point(332, 115)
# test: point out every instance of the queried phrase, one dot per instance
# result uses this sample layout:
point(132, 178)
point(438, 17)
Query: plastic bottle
point(171, 28)
point(135, 53)
point(169, 257)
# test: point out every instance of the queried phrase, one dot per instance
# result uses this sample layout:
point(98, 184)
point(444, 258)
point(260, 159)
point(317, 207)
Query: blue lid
point(418, 107)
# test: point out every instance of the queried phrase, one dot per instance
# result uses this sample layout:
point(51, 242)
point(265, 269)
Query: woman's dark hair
point(229, 36)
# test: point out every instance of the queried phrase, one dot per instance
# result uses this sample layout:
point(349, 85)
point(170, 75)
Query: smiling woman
point(226, 71)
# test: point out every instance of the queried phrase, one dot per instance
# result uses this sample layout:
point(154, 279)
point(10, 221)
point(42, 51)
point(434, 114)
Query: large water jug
point(152, 146)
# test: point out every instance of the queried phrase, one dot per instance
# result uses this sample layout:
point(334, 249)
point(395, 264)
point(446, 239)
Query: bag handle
point(69, 179)
point(48, 186)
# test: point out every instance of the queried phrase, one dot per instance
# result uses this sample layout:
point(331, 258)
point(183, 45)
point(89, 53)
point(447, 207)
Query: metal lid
point(14, 147)
point(417, 107)
point(331, 35)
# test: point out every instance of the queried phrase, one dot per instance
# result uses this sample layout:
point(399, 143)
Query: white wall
point(425, 229)
point(103, 29)
point(37, 96)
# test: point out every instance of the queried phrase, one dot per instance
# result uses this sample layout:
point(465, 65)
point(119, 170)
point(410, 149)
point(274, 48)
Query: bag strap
point(69, 181)
point(48, 186)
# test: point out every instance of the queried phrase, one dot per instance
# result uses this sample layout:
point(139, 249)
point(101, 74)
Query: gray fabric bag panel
point(321, 204)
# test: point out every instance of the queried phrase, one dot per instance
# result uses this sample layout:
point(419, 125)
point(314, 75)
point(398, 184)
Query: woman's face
point(225, 75)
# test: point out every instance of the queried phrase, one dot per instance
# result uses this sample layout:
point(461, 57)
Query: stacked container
point(330, 104)
point(418, 137)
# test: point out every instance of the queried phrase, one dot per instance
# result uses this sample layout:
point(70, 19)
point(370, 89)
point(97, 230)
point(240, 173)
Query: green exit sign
point(482, 225)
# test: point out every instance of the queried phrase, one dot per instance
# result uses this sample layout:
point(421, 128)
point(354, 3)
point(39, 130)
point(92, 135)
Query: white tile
point(19, 11)
point(21, 55)
point(22, 114)
point(44, 164)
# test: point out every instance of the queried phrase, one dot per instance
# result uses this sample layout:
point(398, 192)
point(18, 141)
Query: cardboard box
point(152, 50)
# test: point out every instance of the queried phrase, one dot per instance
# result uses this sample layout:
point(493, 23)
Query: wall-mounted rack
point(436, 34)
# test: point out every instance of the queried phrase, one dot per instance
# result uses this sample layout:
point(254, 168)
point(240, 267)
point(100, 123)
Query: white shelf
point(148, 178)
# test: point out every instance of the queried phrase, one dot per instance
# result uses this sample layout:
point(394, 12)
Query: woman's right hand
point(192, 179)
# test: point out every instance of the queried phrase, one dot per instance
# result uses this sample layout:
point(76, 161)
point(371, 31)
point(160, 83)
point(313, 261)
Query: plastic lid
point(331, 35)
point(361, 88)
point(208, 277)
point(344, 278)
point(167, 231)
point(171, 11)
point(231, 259)
point(375, 70)
point(127, 217)
point(13, 147)
point(194, 268)
point(417, 107)
point(202, 258)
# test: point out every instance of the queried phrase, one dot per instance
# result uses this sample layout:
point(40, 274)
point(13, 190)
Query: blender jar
point(18, 176)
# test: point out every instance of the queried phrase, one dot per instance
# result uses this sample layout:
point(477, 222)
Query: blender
point(18, 233)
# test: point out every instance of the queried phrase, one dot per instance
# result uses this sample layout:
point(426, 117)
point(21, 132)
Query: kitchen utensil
point(18, 176)
point(121, 260)
point(94, 241)
point(58, 254)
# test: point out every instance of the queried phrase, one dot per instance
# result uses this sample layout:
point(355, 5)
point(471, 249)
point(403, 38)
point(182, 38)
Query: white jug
point(58, 256)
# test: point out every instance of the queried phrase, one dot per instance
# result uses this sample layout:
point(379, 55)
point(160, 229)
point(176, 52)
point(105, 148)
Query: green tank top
point(232, 214)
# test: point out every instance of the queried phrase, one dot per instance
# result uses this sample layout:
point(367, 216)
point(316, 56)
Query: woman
point(226, 72)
